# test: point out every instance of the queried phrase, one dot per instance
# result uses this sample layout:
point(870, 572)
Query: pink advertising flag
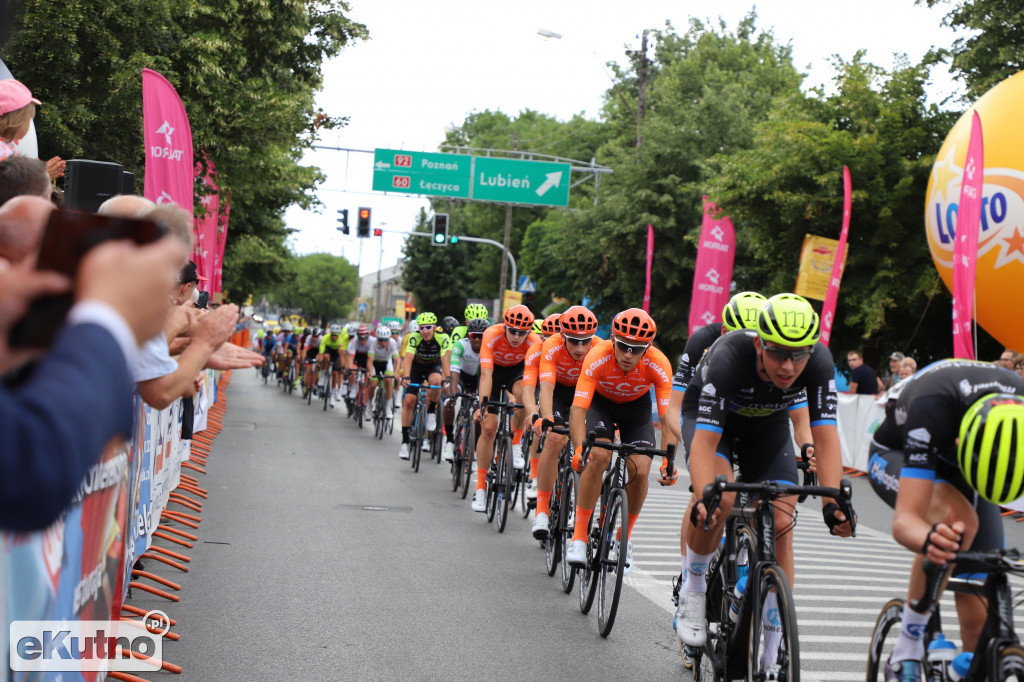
point(965, 246)
point(828, 311)
point(222, 240)
point(713, 273)
point(650, 259)
point(168, 140)
point(205, 227)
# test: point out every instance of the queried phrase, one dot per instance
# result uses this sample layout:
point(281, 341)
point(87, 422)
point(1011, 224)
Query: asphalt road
point(323, 556)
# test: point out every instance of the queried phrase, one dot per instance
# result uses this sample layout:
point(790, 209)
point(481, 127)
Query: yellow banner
point(400, 309)
point(511, 298)
point(816, 259)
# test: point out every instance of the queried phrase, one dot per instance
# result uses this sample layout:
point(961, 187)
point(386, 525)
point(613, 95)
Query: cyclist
point(426, 362)
point(474, 311)
point(448, 325)
point(734, 412)
point(330, 344)
point(614, 390)
point(955, 427)
point(502, 355)
point(269, 346)
point(413, 328)
point(531, 392)
point(310, 349)
point(560, 363)
point(384, 356)
point(396, 335)
point(465, 376)
point(288, 346)
point(359, 356)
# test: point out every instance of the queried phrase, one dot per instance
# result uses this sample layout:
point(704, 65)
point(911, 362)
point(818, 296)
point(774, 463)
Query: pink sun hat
point(14, 95)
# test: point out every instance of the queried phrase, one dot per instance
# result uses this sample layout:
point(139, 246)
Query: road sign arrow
point(554, 180)
point(381, 165)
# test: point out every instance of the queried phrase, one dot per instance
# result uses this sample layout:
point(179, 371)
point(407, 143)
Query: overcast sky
point(429, 63)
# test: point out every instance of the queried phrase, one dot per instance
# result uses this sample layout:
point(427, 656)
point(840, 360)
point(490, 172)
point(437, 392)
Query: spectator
point(1005, 359)
point(907, 367)
point(17, 109)
point(22, 175)
point(893, 375)
point(78, 397)
point(863, 379)
point(22, 221)
point(1018, 364)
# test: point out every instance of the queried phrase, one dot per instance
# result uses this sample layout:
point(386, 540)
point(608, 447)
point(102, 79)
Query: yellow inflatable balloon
point(1000, 269)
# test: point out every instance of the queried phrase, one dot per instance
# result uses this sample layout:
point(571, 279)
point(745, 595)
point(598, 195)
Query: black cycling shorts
point(884, 467)
point(468, 383)
point(561, 403)
point(762, 447)
point(634, 420)
point(503, 380)
point(380, 367)
point(420, 374)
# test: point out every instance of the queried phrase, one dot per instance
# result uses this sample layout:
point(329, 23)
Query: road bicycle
point(437, 435)
point(999, 655)
point(418, 430)
point(382, 412)
point(308, 380)
point(500, 476)
point(359, 404)
point(269, 367)
point(608, 536)
point(735, 649)
point(289, 377)
point(561, 510)
point(465, 443)
point(522, 476)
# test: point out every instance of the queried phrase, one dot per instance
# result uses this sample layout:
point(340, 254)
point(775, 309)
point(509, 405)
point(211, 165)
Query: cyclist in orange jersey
point(502, 356)
point(531, 369)
point(560, 363)
point(614, 391)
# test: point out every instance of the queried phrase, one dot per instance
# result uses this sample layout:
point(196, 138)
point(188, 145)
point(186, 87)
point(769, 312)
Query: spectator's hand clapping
point(19, 286)
point(215, 327)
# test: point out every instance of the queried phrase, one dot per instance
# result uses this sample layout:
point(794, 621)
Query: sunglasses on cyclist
point(426, 327)
point(629, 348)
point(578, 342)
point(518, 332)
point(780, 355)
point(476, 335)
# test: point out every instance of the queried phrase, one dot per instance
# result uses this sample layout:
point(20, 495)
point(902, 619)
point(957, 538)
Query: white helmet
point(383, 333)
point(413, 327)
point(287, 326)
point(395, 325)
point(335, 328)
point(353, 327)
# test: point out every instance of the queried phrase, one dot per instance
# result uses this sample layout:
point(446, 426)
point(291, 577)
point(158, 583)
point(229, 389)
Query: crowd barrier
point(81, 567)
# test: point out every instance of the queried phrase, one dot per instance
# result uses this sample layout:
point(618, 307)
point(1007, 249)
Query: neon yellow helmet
point(538, 326)
point(741, 310)
point(476, 311)
point(426, 318)
point(788, 320)
point(990, 434)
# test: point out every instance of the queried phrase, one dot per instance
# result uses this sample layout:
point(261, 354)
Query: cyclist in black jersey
point(735, 413)
point(939, 509)
point(426, 362)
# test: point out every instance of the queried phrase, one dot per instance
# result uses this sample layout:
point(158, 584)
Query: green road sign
point(521, 182)
point(442, 175)
point(480, 178)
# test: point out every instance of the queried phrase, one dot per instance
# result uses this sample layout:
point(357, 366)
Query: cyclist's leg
point(416, 376)
point(434, 394)
point(485, 444)
point(599, 422)
point(636, 427)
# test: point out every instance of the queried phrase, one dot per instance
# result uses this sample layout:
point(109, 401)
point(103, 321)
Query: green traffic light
point(439, 238)
point(454, 239)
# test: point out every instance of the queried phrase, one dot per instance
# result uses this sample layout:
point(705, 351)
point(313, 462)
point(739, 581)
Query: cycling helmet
point(578, 321)
point(395, 326)
point(741, 311)
point(990, 434)
point(477, 326)
point(413, 327)
point(448, 324)
point(538, 326)
point(317, 331)
point(476, 311)
point(383, 333)
point(634, 325)
point(426, 318)
point(362, 331)
point(551, 325)
point(352, 327)
point(335, 329)
point(286, 327)
point(518, 317)
point(788, 320)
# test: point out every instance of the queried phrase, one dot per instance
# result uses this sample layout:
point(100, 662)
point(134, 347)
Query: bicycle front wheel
point(883, 638)
point(553, 545)
point(612, 560)
point(566, 525)
point(773, 650)
point(504, 484)
point(1010, 664)
point(588, 574)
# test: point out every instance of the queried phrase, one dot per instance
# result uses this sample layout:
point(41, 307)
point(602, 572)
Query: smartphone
point(69, 235)
point(204, 299)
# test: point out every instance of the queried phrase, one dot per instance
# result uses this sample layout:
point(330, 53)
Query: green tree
point(246, 72)
point(994, 48)
point(320, 285)
point(436, 275)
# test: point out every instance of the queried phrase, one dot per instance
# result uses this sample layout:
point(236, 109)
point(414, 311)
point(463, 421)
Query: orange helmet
point(634, 325)
point(551, 325)
point(519, 317)
point(578, 321)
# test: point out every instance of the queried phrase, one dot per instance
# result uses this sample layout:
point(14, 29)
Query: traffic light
point(343, 219)
point(377, 232)
point(363, 224)
point(453, 239)
point(440, 229)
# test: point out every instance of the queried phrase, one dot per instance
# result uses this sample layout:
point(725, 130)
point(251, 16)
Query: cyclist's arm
point(407, 365)
point(801, 418)
point(529, 400)
point(671, 420)
point(484, 387)
point(829, 461)
point(577, 424)
point(547, 392)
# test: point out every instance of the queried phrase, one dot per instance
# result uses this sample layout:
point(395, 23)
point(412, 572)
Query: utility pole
point(641, 83)
point(508, 230)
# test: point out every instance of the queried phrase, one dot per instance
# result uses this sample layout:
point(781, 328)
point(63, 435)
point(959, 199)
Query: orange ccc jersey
point(496, 350)
point(557, 366)
point(531, 368)
point(602, 376)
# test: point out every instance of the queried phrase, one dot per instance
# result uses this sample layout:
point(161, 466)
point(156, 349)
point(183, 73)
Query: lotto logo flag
point(713, 274)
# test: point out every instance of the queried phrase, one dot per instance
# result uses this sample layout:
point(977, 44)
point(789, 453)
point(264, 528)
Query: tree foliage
point(437, 275)
point(320, 285)
point(246, 72)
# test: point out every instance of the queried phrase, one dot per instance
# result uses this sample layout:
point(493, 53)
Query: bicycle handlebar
point(936, 575)
point(548, 425)
point(486, 402)
point(627, 449)
point(769, 490)
point(411, 385)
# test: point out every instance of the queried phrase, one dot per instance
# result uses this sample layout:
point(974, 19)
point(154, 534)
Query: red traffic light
point(377, 232)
